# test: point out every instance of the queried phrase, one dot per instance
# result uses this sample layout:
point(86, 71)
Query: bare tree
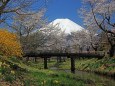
point(101, 14)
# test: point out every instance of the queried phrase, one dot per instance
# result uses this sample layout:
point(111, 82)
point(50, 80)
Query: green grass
point(35, 75)
point(41, 77)
point(52, 78)
point(102, 65)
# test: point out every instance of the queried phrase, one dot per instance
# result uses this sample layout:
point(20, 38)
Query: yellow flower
point(12, 72)
point(56, 81)
point(43, 82)
point(9, 44)
point(0, 64)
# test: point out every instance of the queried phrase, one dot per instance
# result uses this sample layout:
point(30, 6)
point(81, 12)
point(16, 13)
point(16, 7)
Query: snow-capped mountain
point(66, 25)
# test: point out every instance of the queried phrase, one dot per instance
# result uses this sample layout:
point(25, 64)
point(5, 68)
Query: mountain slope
point(66, 25)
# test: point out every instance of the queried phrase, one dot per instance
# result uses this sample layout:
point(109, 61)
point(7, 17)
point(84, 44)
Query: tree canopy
point(100, 15)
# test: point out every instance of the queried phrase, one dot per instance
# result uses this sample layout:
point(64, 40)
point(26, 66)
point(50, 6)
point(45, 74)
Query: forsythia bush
point(9, 45)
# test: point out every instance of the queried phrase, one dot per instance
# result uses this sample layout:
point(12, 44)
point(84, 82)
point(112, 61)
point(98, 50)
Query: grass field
point(33, 74)
point(102, 65)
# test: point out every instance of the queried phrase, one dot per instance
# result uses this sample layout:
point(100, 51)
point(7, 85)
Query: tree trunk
point(48, 59)
point(57, 59)
point(60, 59)
point(35, 59)
point(27, 59)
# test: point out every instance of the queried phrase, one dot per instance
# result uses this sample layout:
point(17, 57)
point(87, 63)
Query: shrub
point(9, 44)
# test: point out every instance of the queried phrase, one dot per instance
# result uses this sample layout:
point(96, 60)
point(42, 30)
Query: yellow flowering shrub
point(9, 44)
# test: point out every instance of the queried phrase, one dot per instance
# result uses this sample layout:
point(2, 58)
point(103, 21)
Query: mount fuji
point(66, 25)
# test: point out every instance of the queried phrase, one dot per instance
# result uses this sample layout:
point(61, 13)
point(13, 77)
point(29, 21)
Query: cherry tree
point(53, 37)
point(26, 25)
point(100, 14)
point(80, 40)
point(11, 8)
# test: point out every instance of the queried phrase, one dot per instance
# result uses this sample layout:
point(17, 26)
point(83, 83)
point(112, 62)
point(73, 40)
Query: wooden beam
point(87, 55)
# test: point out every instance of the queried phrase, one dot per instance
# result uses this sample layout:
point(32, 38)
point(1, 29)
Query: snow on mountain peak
point(66, 25)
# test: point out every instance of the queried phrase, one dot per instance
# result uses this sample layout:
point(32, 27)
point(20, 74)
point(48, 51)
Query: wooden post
point(45, 63)
point(72, 64)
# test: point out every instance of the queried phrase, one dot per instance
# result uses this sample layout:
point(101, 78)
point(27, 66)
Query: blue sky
point(61, 9)
point(64, 9)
